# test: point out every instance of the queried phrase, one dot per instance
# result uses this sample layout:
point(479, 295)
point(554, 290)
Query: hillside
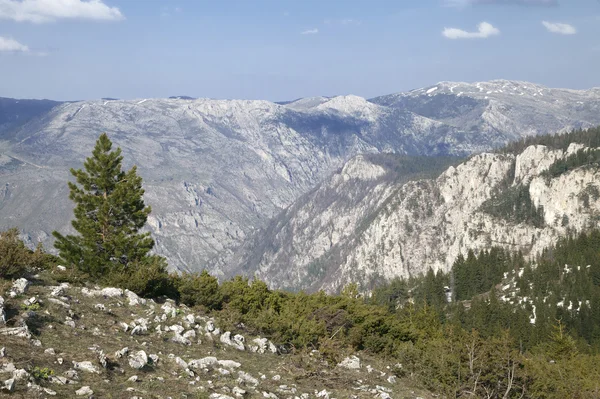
point(69, 341)
point(217, 170)
point(367, 225)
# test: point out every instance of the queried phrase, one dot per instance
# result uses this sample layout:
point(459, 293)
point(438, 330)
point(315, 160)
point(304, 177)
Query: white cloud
point(8, 44)
point(563, 29)
point(310, 32)
point(39, 11)
point(484, 30)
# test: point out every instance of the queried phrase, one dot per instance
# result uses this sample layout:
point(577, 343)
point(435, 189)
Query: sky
point(286, 49)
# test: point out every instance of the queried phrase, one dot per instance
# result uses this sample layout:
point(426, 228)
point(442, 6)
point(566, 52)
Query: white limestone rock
point(84, 391)
point(138, 360)
point(351, 363)
point(86, 366)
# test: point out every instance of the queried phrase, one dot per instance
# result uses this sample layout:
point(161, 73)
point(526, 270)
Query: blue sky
point(282, 50)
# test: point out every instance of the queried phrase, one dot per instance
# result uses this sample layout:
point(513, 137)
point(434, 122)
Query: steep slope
point(213, 169)
point(388, 228)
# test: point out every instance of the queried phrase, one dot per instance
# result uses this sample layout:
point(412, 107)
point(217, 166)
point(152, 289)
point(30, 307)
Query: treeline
point(588, 137)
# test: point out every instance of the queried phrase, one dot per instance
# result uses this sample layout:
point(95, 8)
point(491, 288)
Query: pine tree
point(109, 212)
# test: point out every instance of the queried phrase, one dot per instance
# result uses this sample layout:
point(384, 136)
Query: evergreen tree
point(109, 212)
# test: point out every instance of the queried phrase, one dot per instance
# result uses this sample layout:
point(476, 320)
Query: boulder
point(84, 391)
point(138, 360)
point(204, 363)
point(20, 375)
point(19, 287)
point(180, 339)
point(134, 299)
point(229, 364)
point(351, 363)
point(86, 366)
point(262, 345)
point(237, 341)
point(9, 385)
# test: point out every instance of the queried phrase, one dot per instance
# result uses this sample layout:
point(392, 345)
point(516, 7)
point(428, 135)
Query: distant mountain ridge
point(216, 170)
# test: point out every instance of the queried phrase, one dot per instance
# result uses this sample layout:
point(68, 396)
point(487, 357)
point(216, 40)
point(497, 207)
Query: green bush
point(147, 278)
point(199, 289)
point(15, 258)
point(42, 373)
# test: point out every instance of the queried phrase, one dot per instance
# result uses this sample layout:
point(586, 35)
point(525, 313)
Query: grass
point(302, 372)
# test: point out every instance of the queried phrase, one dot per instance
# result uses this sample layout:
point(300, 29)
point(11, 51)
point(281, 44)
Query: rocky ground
point(62, 340)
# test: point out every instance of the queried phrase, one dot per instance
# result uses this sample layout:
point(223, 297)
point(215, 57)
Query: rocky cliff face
point(388, 228)
point(215, 170)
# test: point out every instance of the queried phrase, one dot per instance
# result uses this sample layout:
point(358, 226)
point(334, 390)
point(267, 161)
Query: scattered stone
point(176, 328)
point(102, 358)
point(2, 352)
point(19, 287)
point(138, 360)
point(50, 351)
point(180, 339)
point(139, 330)
point(100, 306)
point(351, 363)
point(219, 396)
point(191, 319)
point(262, 345)
point(276, 377)
point(134, 299)
point(22, 332)
point(84, 391)
point(61, 268)
point(153, 358)
point(229, 364)
point(169, 309)
point(20, 375)
point(245, 378)
point(86, 366)
point(236, 342)
point(49, 391)
point(59, 302)
point(210, 326)
point(2, 312)
point(59, 290)
point(181, 363)
point(238, 392)
point(133, 378)
point(9, 385)
point(392, 379)
point(122, 353)
point(189, 334)
point(72, 374)
point(204, 363)
point(58, 380)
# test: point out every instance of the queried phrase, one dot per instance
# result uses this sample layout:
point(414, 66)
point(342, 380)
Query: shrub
point(42, 373)
point(147, 278)
point(200, 289)
point(15, 257)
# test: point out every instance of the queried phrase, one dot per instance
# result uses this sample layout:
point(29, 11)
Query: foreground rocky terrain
point(366, 225)
point(70, 341)
point(216, 170)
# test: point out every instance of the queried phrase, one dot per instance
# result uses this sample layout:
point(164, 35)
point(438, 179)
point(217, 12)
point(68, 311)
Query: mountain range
point(219, 172)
